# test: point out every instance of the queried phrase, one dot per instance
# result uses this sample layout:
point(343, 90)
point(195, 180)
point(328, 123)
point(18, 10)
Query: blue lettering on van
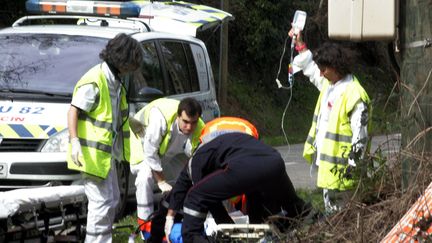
point(4, 109)
point(34, 110)
point(38, 110)
point(22, 110)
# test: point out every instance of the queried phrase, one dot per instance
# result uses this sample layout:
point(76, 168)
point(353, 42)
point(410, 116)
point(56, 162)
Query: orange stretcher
point(416, 224)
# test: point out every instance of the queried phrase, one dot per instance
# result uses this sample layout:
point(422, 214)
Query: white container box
point(359, 20)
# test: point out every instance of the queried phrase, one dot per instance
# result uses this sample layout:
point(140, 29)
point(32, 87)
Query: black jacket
point(224, 151)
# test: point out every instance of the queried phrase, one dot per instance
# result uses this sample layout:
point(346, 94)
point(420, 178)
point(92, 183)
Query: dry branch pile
point(379, 202)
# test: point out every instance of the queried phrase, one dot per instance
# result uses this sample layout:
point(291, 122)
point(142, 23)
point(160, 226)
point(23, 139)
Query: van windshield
point(46, 63)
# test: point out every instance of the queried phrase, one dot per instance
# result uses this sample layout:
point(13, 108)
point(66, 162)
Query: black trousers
point(263, 179)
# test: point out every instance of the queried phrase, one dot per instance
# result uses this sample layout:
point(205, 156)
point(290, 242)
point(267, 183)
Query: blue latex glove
point(175, 236)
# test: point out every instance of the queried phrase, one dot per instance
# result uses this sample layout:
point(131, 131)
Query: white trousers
point(103, 196)
point(145, 184)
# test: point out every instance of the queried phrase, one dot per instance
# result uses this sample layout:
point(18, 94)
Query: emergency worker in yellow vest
point(99, 132)
point(338, 136)
point(231, 161)
point(167, 128)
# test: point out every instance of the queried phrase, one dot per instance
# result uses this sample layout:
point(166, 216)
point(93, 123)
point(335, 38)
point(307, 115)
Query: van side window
point(180, 65)
point(198, 55)
point(150, 73)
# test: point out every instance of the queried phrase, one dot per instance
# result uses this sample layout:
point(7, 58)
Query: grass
point(125, 228)
point(313, 196)
point(275, 141)
point(253, 103)
point(264, 107)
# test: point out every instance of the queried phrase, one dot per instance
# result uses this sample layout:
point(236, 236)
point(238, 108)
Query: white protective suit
point(171, 163)
point(103, 194)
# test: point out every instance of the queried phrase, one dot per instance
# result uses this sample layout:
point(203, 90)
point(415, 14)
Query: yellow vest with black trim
point(334, 154)
point(95, 129)
point(168, 108)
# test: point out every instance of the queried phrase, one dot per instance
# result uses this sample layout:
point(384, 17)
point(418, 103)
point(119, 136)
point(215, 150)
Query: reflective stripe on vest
point(194, 213)
point(168, 108)
point(96, 145)
point(95, 130)
point(333, 157)
point(223, 125)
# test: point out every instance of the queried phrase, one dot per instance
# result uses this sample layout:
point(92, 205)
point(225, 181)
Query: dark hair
point(333, 55)
point(122, 51)
point(191, 106)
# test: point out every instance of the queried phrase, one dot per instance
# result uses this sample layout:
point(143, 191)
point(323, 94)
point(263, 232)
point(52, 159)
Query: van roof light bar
point(77, 7)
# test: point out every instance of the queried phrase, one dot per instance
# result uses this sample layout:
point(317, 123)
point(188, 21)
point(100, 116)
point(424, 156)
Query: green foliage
point(260, 29)
point(373, 172)
point(253, 103)
point(256, 41)
point(278, 140)
point(313, 196)
point(378, 76)
point(125, 228)
point(11, 11)
point(258, 34)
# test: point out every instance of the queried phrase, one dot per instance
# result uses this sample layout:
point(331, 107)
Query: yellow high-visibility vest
point(95, 131)
point(168, 108)
point(334, 154)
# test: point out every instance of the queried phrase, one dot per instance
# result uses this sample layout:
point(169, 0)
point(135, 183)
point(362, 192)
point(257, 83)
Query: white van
point(40, 64)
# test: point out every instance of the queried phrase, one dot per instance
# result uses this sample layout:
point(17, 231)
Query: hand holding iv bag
point(299, 21)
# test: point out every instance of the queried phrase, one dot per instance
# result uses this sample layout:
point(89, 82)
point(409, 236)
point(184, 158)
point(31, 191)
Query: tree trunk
point(416, 25)
point(223, 57)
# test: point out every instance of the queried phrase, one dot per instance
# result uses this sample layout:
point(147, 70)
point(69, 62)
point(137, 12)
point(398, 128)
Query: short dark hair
point(122, 51)
point(191, 106)
point(333, 55)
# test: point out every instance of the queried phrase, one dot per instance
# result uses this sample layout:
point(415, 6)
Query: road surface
point(299, 171)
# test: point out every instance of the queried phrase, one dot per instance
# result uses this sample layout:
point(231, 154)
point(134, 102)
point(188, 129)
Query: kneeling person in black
point(228, 163)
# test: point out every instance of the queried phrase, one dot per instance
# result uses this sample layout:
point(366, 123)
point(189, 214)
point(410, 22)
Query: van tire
point(123, 183)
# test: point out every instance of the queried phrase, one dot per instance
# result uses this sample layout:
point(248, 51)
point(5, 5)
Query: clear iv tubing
point(283, 127)
point(290, 74)
point(291, 82)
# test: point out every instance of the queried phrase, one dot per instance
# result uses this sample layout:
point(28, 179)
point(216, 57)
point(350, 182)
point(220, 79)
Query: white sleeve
point(188, 146)
point(304, 62)
point(86, 97)
point(359, 120)
point(154, 133)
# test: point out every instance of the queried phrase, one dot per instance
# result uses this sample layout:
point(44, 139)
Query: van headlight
point(56, 143)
